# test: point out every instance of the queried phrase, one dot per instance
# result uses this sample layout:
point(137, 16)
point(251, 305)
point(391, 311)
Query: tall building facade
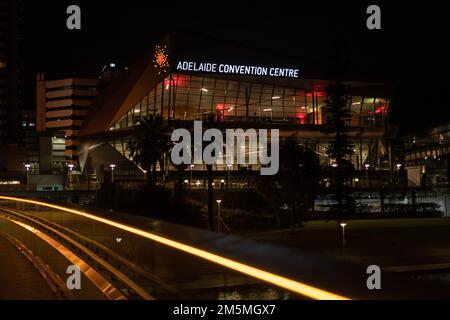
point(61, 108)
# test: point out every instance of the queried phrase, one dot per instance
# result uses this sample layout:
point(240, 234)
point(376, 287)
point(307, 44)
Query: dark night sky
point(412, 48)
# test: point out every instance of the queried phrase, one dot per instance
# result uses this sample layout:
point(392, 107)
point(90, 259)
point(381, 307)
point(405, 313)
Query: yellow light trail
point(96, 278)
point(292, 285)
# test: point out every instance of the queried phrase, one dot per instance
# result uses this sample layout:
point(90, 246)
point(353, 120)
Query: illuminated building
point(427, 156)
point(187, 76)
point(61, 108)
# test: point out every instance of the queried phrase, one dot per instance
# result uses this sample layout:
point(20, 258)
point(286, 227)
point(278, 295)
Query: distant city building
point(427, 156)
point(62, 106)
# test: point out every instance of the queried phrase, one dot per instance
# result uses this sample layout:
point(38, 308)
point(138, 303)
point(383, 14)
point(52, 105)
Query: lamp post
point(218, 214)
point(112, 166)
point(229, 174)
point(118, 241)
point(71, 166)
point(343, 225)
point(190, 168)
point(27, 168)
point(367, 166)
point(399, 166)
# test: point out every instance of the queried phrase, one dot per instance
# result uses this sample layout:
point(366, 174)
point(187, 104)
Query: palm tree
point(149, 143)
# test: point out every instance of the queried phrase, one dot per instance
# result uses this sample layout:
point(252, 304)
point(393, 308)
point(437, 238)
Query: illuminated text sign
point(222, 68)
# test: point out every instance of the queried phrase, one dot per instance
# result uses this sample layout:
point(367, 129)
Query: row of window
point(189, 97)
point(365, 152)
point(65, 118)
point(73, 87)
point(72, 97)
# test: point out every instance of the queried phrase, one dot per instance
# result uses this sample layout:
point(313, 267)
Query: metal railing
point(168, 260)
point(85, 249)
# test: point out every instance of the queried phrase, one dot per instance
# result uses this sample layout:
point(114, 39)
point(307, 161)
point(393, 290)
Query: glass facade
point(188, 97)
point(185, 97)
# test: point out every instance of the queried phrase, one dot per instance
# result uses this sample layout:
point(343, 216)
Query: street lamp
point(118, 241)
point(112, 166)
point(399, 166)
point(218, 214)
point(190, 168)
point(343, 225)
point(367, 166)
point(229, 173)
point(70, 166)
point(27, 168)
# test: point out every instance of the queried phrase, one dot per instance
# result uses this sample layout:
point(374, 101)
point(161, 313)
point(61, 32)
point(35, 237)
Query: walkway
point(19, 279)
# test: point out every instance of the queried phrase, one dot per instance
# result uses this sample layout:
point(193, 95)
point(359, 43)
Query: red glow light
point(223, 110)
point(176, 81)
point(301, 117)
point(381, 109)
point(319, 94)
point(224, 107)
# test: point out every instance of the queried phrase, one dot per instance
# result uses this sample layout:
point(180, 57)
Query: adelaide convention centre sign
point(221, 68)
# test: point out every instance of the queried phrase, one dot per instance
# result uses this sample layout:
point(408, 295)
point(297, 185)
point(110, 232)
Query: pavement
point(19, 279)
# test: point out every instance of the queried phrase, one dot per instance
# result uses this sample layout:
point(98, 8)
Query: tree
point(296, 185)
point(149, 142)
point(210, 119)
point(340, 149)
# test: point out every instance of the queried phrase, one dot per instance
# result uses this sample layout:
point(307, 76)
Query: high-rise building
point(61, 108)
